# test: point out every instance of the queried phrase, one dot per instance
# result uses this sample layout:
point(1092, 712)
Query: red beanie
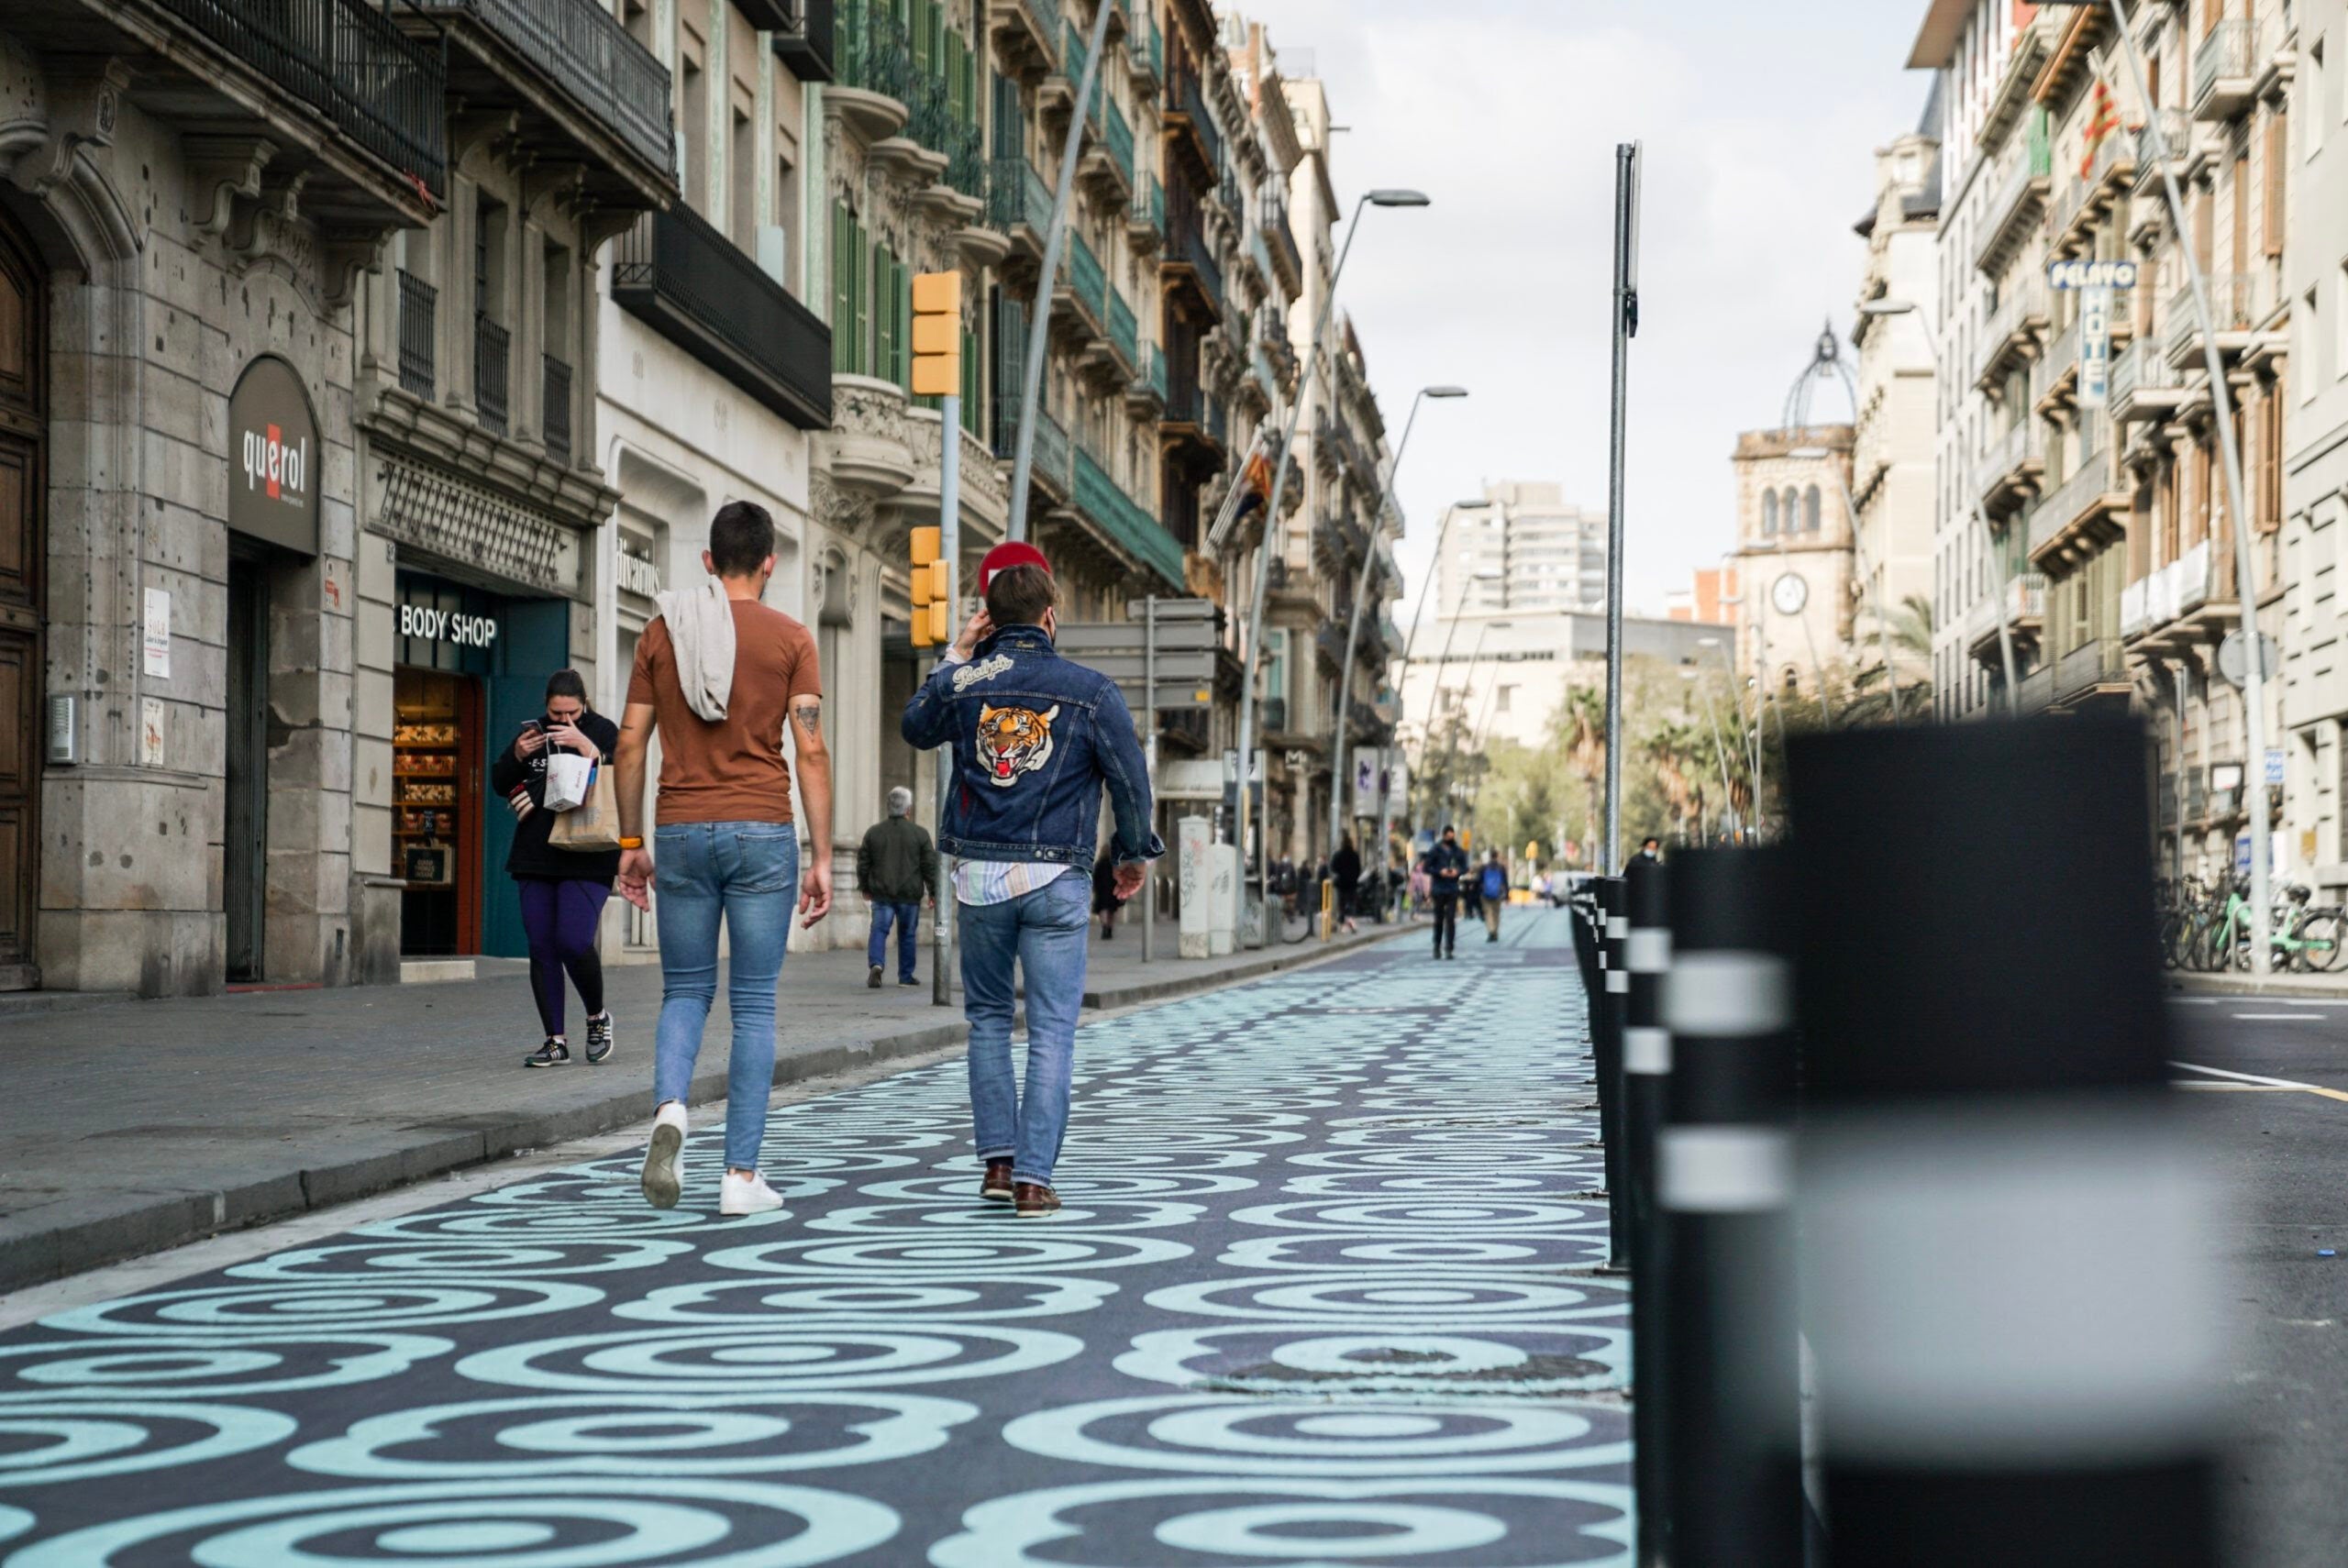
point(1007, 554)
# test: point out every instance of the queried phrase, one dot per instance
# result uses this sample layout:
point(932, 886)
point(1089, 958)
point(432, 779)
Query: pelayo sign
point(273, 457)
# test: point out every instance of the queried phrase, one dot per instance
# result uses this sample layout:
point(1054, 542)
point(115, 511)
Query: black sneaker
point(599, 1039)
point(553, 1053)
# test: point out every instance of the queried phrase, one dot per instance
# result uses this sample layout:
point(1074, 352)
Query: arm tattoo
point(809, 711)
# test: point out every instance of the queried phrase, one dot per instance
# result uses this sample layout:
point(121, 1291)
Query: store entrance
point(436, 769)
point(244, 889)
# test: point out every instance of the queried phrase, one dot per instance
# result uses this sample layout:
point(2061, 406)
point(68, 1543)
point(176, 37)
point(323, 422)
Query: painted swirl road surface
point(1322, 1293)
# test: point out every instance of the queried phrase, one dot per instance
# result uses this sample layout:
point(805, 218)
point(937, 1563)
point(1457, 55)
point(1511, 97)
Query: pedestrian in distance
point(1446, 866)
point(1345, 869)
point(1105, 901)
point(1471, 891)
point(1491, 888)
point(562, 890)
point(1651, 850)
point(897, 867)
point(719, 677)
point(1033, 740)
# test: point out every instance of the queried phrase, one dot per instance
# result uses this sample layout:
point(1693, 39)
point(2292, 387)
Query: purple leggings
point(560, 918)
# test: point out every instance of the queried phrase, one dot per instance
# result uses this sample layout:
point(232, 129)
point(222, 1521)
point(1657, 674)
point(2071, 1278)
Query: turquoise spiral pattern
point(1326, 1290)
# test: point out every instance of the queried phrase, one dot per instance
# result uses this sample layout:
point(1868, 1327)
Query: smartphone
point(529, 724)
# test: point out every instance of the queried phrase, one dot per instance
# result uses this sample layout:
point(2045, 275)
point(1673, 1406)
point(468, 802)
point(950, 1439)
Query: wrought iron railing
point(1283, 241)
point(1086, 277)
point(1119, 139)
point(1016, 194)
point(556, 385)
point(419, 310)
point(1148, 209)
point(2176, 136)
point(592, 59)
point(492, 364)
point(2227, 53)
point(1124, 520)
point(1051, 450)
point(1124, 331)
point(876, 53)
point(967, 168)
point(702, 293)
point(2024, 442)
point(346, 60)
point(1149, 371)
point(1190, 101)
point(1190, 247)
point(2236, 305)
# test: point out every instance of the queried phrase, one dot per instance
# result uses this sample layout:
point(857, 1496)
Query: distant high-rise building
point(1529, 550)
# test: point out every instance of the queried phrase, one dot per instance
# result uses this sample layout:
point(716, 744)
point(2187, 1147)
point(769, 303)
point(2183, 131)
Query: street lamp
point(1719, 747)
point(1246, 736)
point(1466, 685)
point(1443, 660)
point(1341, 730)
point(2221, 409)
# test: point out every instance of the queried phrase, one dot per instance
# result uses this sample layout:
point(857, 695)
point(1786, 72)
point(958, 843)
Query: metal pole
point(1286, 455)
point(1031, 379)
point(1626, 326)
point(2176, 754)
point(949, 545)
point(1720, 750)
point(2221, 407)
point(2005, 621)
point(1434, 695)
point(1149, 707)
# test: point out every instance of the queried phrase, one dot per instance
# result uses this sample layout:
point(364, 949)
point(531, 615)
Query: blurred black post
point(1606, 1039)
point(1646, 1075)
point(2007, 1283)
point(1724, 1179)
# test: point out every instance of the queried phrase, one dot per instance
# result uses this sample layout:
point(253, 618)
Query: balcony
point(2006, 474)
point(2144, 385)
point(2237, 307)
point(584, 85)
point(1118, 138)
point(1124, 523)
point(2176, 136)
point(1125, 332)
point(2036, 692)
point(2094, 673)
point(334, 83)
point(803, 39)
point(1191, 259)
point(1083, 290)
point(1051, 452)
point(492, 363)
point(1017, 200)
point(2053, 378)
point(2151, 607)
point(2225, 70)
point(2018, 194)
point(692, 286)
point(1028, 33)
point(2086, 197)
point(2024, 607)
point(1145, 394)
point(1145, 51)
point(2013, 330)
point(419, 308)
point(1146, 215)
point(874, 87)
point(554, 386)
point(2080, 515)
point(1188, 116)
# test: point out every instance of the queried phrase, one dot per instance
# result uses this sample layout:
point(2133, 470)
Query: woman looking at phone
point(562, 890)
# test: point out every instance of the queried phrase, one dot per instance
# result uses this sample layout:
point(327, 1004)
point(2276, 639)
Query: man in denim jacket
point(1034, 739)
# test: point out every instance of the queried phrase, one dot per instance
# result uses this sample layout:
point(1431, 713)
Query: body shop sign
point(273, 457)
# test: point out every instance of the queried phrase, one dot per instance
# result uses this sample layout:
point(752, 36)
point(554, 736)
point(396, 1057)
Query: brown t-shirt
point(733, 770)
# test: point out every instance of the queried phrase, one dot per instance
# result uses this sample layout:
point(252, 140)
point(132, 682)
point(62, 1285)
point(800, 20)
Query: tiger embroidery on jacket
point(1012, 741)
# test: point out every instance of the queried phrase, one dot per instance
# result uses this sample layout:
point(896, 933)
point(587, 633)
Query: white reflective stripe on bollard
point(1728, 993)
point(1724, 1170)
point(1646, 1051)
point(1617, 927)
point(1618, 981)
point(2023, 1286)
point(1649, 951)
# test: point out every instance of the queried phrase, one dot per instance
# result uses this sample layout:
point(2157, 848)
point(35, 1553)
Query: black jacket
point(1445, 857)
point(1346, 866)
point(895, 863)
point(532, 857)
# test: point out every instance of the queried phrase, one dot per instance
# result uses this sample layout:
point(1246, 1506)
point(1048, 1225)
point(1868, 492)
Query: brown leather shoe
point(995, 1186)
point(1034, 1200)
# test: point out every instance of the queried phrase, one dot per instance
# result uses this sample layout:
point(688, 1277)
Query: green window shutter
point(843, 295)
point(970, 381)
point(862, 281)
point(904, 328)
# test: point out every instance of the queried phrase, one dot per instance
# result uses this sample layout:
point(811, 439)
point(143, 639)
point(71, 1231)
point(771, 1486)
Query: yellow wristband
point(631, 844)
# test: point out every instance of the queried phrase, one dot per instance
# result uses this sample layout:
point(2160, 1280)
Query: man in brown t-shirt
point(715, 677)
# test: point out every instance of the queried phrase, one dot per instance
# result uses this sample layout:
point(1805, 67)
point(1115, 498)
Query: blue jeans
point(908, 919)
point(1046, 932)
point(747, 873)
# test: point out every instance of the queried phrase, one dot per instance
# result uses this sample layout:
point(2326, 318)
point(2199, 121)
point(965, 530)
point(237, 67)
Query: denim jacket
point(1034, 737)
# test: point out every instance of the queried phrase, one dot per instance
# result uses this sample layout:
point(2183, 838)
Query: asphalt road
point(2282, 1144)
point(1322, 1241)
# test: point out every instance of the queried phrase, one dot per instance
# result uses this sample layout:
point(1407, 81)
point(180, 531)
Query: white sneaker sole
point(661, 1186)
point(736, 1212)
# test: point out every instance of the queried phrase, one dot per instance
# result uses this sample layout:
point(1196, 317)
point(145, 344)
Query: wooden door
point(23, 484)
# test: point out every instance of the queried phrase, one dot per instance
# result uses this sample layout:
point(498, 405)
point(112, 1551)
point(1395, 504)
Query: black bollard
point(1646, 1075)
point(1725, 1178)
point(1606, 1038)
point(2009, 1281)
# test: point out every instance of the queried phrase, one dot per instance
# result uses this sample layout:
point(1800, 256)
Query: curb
point(2243, 986)
point(153, 1222)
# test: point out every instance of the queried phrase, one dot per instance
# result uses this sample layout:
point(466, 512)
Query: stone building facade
point(1799, 613)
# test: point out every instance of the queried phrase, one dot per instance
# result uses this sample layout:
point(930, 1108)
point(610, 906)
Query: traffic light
point(937, 334)
point(929, 587)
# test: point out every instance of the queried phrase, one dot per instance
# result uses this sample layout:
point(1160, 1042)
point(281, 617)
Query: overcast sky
point(1760, 124)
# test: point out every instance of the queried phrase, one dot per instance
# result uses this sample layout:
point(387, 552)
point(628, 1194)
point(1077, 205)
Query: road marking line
point(2238, 1089)
point(2259, 1078)
point(2278, 1016)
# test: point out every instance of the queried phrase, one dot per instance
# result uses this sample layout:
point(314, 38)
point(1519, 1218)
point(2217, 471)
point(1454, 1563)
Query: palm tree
point(1585, 729)
point(1911, 632)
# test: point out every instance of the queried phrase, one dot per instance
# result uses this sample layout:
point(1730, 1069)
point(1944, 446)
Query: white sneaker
point(661, 1183)
point(747, 1195)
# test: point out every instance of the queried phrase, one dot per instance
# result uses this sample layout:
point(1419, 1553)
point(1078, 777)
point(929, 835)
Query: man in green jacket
point(897, 869)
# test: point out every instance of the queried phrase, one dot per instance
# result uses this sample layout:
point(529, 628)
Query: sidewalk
point(2314, 988)
point(139, 1125)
